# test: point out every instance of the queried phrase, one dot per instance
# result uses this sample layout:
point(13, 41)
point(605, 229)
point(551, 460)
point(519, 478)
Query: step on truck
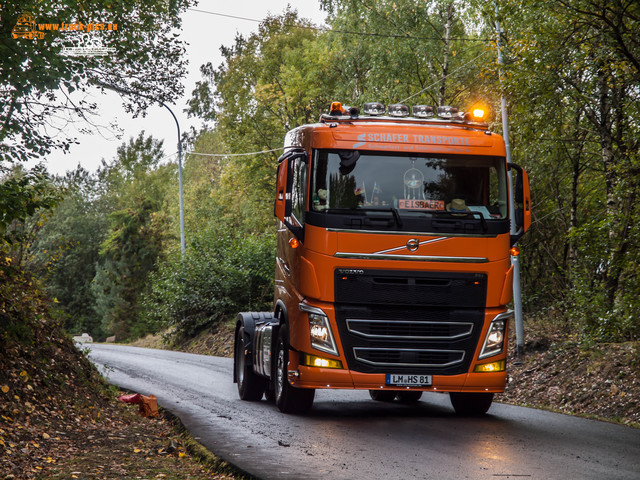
point(393, 264)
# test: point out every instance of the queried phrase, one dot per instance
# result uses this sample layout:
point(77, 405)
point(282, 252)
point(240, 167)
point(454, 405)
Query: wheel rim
point(240, 360)
point(280, 372)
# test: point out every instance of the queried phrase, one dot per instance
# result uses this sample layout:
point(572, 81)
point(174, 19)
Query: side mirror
point(284, 188)
point(522, 202)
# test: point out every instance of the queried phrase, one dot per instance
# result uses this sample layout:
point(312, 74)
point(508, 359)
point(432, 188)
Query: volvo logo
point(350, 271)
point(413, 244)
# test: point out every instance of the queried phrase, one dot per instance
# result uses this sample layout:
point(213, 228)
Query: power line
point(343, 32)
point(235, 154)
point(447, 76)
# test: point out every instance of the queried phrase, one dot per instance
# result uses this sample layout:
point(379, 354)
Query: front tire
point(382, 395)
point(250, 385)
point(471, 404)
point(409, 397)
point(289, 399)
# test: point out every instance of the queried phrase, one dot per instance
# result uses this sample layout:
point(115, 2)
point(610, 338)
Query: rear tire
point(471, 404)
point(382, 395)
point(409, 396)
point(250, 385)
point(289, 399)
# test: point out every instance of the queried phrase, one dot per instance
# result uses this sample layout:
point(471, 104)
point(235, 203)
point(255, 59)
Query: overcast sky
point(204, 33)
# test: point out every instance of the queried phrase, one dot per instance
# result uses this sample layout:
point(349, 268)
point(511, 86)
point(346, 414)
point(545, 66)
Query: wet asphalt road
point(348, 436)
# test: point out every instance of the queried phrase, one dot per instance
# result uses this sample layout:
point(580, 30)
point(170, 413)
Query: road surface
point(348, 436)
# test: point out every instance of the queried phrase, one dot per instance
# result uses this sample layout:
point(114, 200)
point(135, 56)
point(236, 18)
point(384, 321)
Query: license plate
point(408, 380)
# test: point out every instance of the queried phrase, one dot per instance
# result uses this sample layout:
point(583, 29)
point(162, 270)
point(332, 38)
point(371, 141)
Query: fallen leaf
point(4, 388)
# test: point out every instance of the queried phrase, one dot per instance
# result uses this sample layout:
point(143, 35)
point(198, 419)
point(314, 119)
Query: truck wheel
point(471, 404)
point(250, 386)
point(289, 399)
point(382, 395)
point(409, 396)
point(269, 394)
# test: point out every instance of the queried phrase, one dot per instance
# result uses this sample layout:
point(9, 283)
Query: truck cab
point(393, 267)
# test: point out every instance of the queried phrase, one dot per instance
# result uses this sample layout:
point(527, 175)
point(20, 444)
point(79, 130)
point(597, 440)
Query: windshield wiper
point(364, 210)
point(483, 221)
point(393, 210)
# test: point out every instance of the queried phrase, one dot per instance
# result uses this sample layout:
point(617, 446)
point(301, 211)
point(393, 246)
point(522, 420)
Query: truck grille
point(401, 329)
point(429, 323)
point(404, 357)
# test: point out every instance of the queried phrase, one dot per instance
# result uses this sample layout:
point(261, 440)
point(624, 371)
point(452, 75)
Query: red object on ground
point(131, 398)
point(148, 406)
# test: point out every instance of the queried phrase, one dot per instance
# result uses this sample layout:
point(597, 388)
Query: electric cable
point(343, 32)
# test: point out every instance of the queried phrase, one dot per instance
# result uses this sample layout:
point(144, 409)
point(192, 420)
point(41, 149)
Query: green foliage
point(271, 81)
point(135, 194)
point(22, 194)
point(128, 255)
point(20, 301)
point(573, 78)
point(66, 251)
point(97, 249)
point(222, 274)
point(390, 51)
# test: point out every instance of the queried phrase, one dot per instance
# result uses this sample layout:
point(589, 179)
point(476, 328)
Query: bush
point(219, 276)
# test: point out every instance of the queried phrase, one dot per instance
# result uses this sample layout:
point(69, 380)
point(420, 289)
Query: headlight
point(320, 330)
point(494, 341)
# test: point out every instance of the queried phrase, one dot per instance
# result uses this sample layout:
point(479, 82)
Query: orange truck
point(393, 265)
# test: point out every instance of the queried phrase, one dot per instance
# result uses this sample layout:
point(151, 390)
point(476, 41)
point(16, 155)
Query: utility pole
point(515, 261)
point(182, 242)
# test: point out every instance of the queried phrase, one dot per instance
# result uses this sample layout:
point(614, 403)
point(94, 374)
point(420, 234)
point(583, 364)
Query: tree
point(66, 252)
point(39, 85)
point(270, 82)
point(575, 84)
point(128, 255)
point(406, 49)
point(136, 191)
point(23, 194)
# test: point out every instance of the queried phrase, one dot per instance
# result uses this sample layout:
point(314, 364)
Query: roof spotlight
point(398, 110)
point(423, 111)
point(374, 108)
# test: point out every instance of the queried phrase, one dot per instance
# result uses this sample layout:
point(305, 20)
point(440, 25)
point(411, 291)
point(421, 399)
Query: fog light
point(499, 366)
point(314, 361)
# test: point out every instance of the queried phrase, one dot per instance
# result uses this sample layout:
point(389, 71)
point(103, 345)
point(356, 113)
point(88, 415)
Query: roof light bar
point(374, 108)
point(399, 110)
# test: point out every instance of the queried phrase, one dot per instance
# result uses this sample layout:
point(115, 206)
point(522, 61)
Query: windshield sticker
point(411, 204)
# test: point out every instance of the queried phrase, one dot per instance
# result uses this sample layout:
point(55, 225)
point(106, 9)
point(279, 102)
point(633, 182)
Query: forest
point(104, 246)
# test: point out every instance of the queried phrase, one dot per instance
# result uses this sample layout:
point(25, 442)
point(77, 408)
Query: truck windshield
point(409, 185)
